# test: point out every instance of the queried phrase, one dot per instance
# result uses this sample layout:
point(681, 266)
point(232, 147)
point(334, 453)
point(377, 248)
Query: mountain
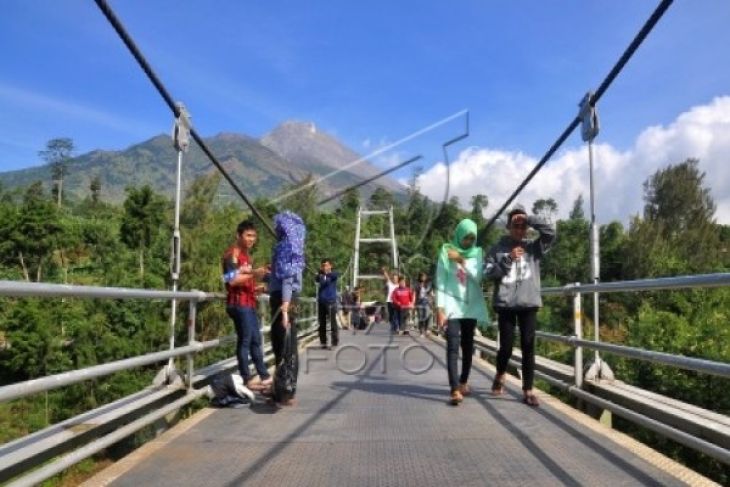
point(314, 151)
point(259, 167)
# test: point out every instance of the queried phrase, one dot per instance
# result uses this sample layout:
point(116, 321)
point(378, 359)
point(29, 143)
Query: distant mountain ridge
point(259, 167)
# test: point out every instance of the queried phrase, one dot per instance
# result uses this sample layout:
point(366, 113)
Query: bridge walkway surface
point(391, 426)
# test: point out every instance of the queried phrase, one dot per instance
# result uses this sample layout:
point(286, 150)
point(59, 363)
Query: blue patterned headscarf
point(288, 253)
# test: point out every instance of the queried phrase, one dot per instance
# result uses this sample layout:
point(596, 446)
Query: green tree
point(381, 199)
point(144, 212)
point(34, 233)
point(95, 189)
point(57, 154)
point(479, 203)
point(546, 208)
point(304, 197)
point(577, 213)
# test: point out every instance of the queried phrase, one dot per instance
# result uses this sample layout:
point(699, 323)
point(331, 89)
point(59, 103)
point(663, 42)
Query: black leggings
point(526, 319)
point(278, 331)
point(459, 332)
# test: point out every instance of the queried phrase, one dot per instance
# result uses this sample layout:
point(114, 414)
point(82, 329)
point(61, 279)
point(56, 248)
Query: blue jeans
point(249, 341)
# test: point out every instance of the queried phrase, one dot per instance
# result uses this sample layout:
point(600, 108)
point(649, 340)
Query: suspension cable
point(628, 53)
point(139, 57)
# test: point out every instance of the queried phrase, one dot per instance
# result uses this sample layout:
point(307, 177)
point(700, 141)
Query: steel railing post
point(578, 323)
point(192, 316)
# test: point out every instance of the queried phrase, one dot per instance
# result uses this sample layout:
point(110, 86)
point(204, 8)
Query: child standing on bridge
point(514, 266)
point(240, 277)
point(459, 301)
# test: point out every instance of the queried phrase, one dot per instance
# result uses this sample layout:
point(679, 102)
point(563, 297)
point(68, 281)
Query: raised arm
point(546, 231)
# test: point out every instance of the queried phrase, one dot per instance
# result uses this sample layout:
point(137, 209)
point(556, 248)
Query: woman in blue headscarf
point(285, 283)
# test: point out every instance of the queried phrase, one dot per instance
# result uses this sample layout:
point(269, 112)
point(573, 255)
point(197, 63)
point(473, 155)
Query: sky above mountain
point(375, 73)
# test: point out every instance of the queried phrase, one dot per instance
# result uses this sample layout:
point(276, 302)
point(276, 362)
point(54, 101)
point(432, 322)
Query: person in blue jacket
point(326, 279)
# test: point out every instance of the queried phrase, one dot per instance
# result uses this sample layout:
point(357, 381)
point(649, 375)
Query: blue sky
point(366, 71)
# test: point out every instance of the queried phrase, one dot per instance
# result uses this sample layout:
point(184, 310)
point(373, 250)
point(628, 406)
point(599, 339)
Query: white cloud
point(702, 132)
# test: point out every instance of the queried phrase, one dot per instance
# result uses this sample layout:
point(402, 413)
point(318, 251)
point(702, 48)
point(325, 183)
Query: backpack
point(229, 391)
point(285, 378)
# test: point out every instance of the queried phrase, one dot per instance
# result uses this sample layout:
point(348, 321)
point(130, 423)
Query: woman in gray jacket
point(514, 266)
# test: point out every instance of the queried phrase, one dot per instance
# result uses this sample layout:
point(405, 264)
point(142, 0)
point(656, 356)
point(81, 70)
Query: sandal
point(531, 400)
point(498, 385)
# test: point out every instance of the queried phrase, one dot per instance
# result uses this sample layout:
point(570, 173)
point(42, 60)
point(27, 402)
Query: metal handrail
point(39, 289)
point(721, 369)
point(34, 289)
point(662, 283)
point(49, 382)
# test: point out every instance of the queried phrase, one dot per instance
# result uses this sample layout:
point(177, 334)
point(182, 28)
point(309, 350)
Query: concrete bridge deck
point(389, 426)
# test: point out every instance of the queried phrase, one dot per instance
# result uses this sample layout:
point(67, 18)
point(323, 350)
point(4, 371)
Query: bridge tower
point(359, 239)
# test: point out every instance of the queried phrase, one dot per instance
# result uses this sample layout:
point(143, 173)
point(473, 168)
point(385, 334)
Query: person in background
point(285, 284)
point(513, 264)
point(345, 307)
point(460, 303)
point(327, 302)
point(240, 277)
point(402, 299)
point(391, 283)
point(424, 302)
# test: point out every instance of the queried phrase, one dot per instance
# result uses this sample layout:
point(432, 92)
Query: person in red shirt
point(402, 298)
point(240, 277)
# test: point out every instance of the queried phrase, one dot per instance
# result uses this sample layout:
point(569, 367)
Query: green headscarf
point(464, 228)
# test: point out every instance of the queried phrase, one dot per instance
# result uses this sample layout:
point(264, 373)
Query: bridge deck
point(391, 428)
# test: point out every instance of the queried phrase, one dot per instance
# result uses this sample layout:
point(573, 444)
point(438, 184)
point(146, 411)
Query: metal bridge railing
point(14, 460)
point(665, 283)
point(576, 341)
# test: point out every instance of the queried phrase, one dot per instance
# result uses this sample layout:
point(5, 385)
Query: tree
point(95, 188)
point(57, 154)
point(35, 231)
point(479, 203)
point(381, 199)
point(143, 215)
point(303, 198)
point(577, 212)
point(349, 204)
point(546, 208)
point(677, 234)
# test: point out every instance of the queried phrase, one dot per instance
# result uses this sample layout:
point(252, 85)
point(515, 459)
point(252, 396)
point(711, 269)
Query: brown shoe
point(464, 389)
point(456, 397)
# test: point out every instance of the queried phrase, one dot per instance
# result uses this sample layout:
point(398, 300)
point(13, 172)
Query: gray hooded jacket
point(517, 283)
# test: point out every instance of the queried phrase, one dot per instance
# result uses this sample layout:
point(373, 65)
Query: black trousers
point(526, 319)
point(459, 332)
point(324, 311)
point(278, 331)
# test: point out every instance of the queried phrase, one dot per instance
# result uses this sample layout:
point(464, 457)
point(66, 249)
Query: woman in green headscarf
point(460, 302)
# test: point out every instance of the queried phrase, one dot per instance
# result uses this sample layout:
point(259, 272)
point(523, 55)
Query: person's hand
point(261, 288)
point(516, 253)
point(260, 272)
point(441, 318)
point(455, 256)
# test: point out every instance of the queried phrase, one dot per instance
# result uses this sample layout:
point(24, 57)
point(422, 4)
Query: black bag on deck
point(285, 378)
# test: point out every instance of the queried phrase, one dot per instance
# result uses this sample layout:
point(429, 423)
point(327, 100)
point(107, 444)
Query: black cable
point(126, 38)
point(369, 180)
point(638, 39)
